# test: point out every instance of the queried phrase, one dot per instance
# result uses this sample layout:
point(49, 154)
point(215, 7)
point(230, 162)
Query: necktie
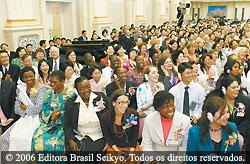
point(186, 102)
point(55, 66)
point(5, 73)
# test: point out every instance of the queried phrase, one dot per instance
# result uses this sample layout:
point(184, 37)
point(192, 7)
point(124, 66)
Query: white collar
point(6, 67)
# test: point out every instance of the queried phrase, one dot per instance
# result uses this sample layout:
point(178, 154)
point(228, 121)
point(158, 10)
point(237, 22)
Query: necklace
point(118, 134)
point(214, 130)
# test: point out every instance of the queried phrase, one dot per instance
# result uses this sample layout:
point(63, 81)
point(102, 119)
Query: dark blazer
point(111, 87)
point(72, 113)
point(13, 72)
point(86, 70)
point(12, 55)
point(127, 43)
point(50, 61)
point(7, 100)
point(83, 38)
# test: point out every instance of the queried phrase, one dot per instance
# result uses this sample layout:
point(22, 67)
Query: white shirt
point(88, 122)
point(70, 83)
point(196, 97)
point(106, 73)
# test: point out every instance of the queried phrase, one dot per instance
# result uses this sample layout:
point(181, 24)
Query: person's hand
point(194, 119)
point(55, 114)
point(74, 147)
point(8, 77)
point(142, 115)
point(211, 75)
point(164, 70)
point(7, 122)
point(117, 82)
point(23, 107)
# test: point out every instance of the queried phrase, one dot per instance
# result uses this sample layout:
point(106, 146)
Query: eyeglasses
point(124, 102)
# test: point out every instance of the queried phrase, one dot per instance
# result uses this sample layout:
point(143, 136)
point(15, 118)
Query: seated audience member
point(167, 73)
point(108, 72)
point(9, 71)
point(136, 74)
point(29, 50)
point(121, 82)
point(28, 105)
point(120, 51)
point(166, 129)
point(207, 73)
point(109, 50)
point(89, 60)
point(131, 63)
point(68, 68)
point(143, 52)
point(28, 62)
point(20, 51)
point(49, 136)
point(189, 96)
point(98, 83)
point(213, 134)
point(39, 55)
point(154, 57)
point(11, 54)
point(120, 126)
point(71, 56)
point(145, 93)
point(238, 106)
point(55, 60)
point(43, 72)
point(82, 118)
point(7, 102)
point(178, 58)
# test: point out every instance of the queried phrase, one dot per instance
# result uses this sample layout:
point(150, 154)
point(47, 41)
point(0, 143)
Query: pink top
point(100, 86)
point(166, 126)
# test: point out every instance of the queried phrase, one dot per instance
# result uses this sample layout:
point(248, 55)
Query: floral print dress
point(50, 135)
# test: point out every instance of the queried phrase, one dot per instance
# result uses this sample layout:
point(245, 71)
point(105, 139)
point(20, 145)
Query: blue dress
point(50, 135)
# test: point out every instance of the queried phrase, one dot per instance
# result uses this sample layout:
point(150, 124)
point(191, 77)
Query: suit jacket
point(196, 148)
point(83, 38)
point(127, 43)
point(12, 55)
point(86, 70)
point(111, 87)
point(7, 100)
point(50, 61)
point(13, 72)
point(72, 113)
point(153, 138)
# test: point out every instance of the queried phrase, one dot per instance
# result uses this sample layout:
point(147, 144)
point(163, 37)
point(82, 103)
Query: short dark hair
point(4, 44)
point(183, 66)
point(161, 98)
point(28, 45)
point(51, 41)
point(78, 80)
point(68, 52)
point(26, 69)
point(42, 42)
point(107, 46)
point(19, 49)
point(83, 31)
point(65, 64)
point(3, 51)
point(59, 74)
point(93, 67)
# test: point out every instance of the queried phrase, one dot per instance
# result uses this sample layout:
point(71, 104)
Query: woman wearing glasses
point(120, 127)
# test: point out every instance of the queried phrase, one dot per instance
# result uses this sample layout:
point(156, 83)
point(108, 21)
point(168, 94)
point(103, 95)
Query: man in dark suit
point(12, 54)
point(84, 36)
point(55, 60)
point(120, 83)
point(9, 71)
point(89, 60)
point(7, 103)
point(29, 50)
point(127, 41)
point(43, 45)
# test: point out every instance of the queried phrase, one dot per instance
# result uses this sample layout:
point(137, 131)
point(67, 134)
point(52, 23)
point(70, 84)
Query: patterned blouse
point(18, 62)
